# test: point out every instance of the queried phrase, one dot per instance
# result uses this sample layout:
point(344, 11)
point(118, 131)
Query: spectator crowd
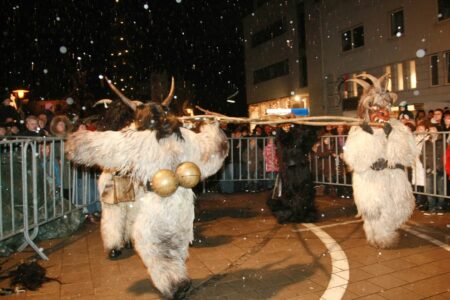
point(17, 124)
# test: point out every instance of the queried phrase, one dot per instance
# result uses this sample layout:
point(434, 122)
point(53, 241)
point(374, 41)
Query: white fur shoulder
point(362, 149)
point(140, 154)
point(401, 145)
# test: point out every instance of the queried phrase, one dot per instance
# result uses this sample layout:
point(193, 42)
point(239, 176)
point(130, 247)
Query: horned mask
point(152, 115)
point(375, 97)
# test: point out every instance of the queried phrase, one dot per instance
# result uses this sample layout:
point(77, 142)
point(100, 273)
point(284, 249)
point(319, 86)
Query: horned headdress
point(375, 95)
point(151, 114)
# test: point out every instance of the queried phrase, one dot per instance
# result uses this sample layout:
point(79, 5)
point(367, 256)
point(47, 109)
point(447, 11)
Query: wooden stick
point(208, 112)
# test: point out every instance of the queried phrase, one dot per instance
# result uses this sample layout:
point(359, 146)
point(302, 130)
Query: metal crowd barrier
point(39, 185)
point(246, 165)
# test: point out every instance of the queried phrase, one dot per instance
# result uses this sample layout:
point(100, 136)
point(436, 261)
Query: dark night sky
point(198, 41)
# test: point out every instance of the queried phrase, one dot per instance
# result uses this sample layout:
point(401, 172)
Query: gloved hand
point(366, 127)
point(387, 128)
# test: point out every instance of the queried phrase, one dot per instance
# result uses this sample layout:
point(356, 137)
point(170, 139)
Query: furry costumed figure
point(117, 217)
point(296, 203)
point(378, 156)
point(163, 227)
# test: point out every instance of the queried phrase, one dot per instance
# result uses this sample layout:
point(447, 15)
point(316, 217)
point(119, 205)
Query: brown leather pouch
point(123, 189)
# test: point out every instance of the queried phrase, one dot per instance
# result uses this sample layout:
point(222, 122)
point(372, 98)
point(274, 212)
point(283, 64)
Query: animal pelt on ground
point(29, 276)
point(296, 203)
point(163, 227)
point(381, 188)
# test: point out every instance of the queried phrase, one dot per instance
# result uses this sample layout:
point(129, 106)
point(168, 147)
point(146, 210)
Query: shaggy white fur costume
point(384, 198)
point(117, 219)
point(164, 226)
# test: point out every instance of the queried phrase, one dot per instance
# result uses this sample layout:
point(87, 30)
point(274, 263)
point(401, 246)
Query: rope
point(274, 120)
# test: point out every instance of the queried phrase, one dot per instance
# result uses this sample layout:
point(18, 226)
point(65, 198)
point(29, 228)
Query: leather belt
point(382, 164)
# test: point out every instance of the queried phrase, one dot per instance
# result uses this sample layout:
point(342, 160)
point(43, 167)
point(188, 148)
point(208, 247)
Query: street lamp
point(20, 93)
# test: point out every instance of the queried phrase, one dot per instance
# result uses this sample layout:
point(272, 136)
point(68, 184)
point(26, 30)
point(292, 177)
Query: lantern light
point(20, 93)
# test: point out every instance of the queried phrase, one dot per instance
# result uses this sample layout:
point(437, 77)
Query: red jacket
point(447, 162)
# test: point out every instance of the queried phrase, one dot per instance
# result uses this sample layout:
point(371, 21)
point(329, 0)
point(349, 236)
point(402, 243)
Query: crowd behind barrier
point(42, 194)
point(250, 167)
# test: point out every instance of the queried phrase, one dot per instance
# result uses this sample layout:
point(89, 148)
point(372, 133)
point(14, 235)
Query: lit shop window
point(400, 86)
point(412, 74)
point(387, 70)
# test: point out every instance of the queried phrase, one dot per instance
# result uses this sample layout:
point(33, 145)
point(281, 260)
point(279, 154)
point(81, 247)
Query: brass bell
point(164, 183)
point(188, 174)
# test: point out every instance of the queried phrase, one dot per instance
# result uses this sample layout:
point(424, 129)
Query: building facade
point(299, 53)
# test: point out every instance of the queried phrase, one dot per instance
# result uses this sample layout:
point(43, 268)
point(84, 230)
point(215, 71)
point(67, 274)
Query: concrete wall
point(270, 52)
point(422, 31)
point(327, 63)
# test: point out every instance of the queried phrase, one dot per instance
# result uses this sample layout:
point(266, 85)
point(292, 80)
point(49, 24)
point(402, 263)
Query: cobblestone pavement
point(240, 252)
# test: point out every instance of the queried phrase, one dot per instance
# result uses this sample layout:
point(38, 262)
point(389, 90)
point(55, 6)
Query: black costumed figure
point(294, 186)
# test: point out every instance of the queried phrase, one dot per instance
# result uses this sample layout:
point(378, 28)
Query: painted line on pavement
point(340, 272)
point(432, 240)
point(328, 225)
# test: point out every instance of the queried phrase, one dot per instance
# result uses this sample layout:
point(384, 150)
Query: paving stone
point(410, 275)
point(398, 264)
point(357, 275)
point(431, 286)
point(77, 289)
point(364, 288)
point(387, 281)
point(377, 269)
point(400, 293)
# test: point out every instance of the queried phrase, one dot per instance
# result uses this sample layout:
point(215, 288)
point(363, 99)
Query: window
point(447, 67)
point(350, 87)
point(303, 67)
point(260, 2)
point(353, 38)
point(443, 9)
point(270, 72)
point(400, 86)
point(434, 63)
point(388, 70)
point(412, 74)
point(358, 37)
point(346, 40)
point(273, 30)
point(351, 90)
point(397, 25)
